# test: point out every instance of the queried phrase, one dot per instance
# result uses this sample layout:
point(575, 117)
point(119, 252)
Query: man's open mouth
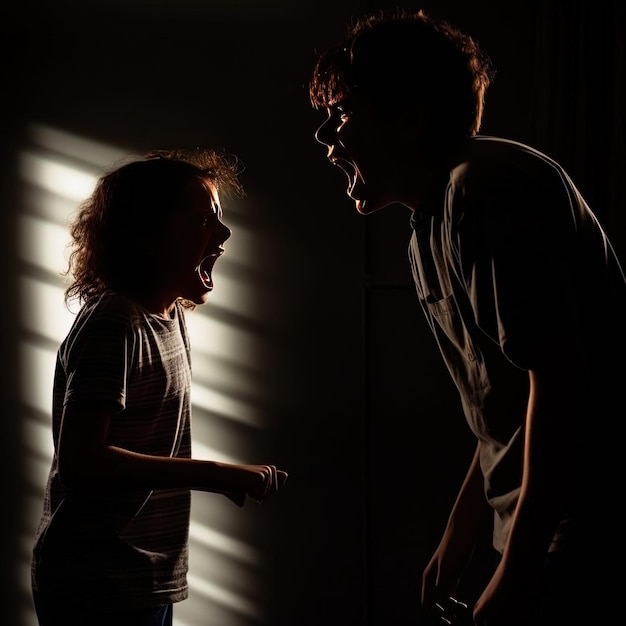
point(350, 170)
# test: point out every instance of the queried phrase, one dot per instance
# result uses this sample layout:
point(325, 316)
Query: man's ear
point(413, 130)
point(413, 123)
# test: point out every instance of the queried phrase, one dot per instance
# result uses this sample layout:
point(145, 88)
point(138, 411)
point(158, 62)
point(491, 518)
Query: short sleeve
point(514, 241)
point(97, 358)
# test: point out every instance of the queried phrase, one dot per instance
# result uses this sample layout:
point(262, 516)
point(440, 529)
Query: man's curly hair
point(407, 62)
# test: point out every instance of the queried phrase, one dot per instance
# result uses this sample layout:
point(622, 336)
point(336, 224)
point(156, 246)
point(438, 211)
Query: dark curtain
point(577, 101)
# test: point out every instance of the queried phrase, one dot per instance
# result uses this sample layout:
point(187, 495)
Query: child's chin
point(202, 298)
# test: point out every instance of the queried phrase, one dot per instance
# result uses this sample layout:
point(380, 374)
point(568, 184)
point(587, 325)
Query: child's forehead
point(201, 196)
point(202, 191)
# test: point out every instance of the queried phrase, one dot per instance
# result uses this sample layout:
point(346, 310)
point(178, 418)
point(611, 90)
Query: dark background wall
point(362, 413)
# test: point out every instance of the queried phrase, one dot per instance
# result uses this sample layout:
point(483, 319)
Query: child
point(112, 543)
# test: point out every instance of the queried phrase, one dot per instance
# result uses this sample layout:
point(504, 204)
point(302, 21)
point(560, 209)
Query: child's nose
point(226, 232)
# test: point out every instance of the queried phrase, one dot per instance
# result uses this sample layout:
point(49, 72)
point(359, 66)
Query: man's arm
point(551, 476)
point(468, 517)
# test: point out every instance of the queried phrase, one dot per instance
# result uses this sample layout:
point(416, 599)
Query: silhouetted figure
point(112, 544)
point(526, 300)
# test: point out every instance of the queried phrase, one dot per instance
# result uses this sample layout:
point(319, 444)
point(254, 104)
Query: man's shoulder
point(503, 166)
point(488, 152)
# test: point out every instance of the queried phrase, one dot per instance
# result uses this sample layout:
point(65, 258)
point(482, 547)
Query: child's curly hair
point(131, 202)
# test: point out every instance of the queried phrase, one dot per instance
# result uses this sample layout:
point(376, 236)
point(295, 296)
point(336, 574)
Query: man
point(526, 300)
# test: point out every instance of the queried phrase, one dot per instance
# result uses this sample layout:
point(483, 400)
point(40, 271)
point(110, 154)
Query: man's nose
point(324, 133)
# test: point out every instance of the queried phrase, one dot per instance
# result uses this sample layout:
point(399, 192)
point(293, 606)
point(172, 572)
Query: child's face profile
point(193, 241)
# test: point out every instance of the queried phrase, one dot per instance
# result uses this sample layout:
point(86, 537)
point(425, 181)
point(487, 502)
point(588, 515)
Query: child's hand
point(272, 480)
point(265, 480)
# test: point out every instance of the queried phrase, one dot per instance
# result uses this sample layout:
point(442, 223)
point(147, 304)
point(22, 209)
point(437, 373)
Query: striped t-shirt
point(123, 549)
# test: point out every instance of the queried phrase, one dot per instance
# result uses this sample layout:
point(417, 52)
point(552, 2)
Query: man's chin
point(361, 206)
point(365, 208)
